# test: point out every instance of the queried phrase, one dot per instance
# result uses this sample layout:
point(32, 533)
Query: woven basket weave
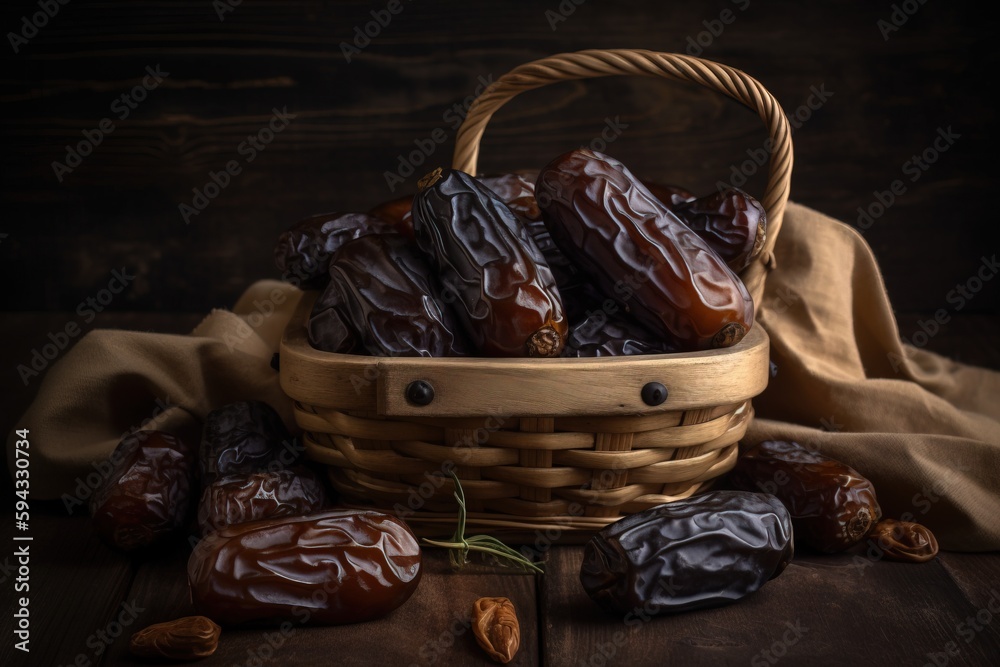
point(541, 445)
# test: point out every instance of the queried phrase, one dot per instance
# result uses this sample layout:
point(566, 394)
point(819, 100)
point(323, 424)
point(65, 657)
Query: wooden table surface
point(60, 238)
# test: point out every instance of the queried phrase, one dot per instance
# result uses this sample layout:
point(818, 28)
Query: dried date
point(328, 329)
point(260, 495)
point(148, 493)
point(703, 551)
point(388, 296)
point(640, 253)
point(397, 212)
point(732, 222)
point(600, 335)
point(188, 638)
point(241, 438)
point(494, 622)
point(505, 293)
point(832, 505)
point(334, 567)
point(518, 192)
point(303, 251)
point(904, 541)
point(670, 196)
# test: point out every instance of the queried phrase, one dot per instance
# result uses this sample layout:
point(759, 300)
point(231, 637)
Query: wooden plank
point(823, 610)
point(77, 587)
point(431, 628)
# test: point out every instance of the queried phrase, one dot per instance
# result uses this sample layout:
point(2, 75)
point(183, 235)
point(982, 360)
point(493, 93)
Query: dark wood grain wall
point(885, 79)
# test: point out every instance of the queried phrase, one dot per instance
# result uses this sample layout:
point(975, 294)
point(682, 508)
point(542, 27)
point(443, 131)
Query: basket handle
point(610, 62)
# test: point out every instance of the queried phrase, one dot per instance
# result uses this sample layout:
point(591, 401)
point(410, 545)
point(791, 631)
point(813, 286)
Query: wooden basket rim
point(362, 383)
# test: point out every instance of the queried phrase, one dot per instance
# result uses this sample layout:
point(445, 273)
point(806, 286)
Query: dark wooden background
point(59, 243)
point(120, 206)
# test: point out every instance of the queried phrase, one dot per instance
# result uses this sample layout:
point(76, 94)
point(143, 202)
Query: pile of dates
point(267, 545)
point(581, 259)
point(716, 548)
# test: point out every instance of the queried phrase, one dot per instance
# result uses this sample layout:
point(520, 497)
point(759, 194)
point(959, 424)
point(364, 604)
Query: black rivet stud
point(654, 393)
point(419, 392)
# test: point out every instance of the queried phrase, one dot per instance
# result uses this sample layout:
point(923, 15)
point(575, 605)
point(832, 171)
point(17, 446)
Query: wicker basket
point(542, 446)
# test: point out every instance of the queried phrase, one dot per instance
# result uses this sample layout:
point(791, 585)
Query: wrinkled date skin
point(241, 438)
point(504, 291)
point(260, 495)
point(517, 190)
point(328, 329)
point(334, 567)
point(670, 196)
point(397, 212)
point(905, 541)
point(640, 253)
point(832, 505)
point(147, 496)
point(303, 251)
point(387, 297)
point(703, 551)
point(732, 222)
point(603, 336)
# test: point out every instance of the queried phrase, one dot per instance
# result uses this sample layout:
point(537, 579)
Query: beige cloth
point(924, 429)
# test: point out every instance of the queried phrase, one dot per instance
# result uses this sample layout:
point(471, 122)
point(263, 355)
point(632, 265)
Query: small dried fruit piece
point(187, 638)
point(495, 625)
point(146, 496)
point(904, 541)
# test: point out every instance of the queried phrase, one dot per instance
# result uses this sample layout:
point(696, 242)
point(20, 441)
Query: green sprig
point(460, 545)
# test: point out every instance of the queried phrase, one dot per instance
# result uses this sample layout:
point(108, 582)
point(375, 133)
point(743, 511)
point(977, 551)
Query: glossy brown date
point(600, 335)
point(334, 567)
point(517, 191)
point(397, 212)
point(328, 328)
point(241, 438)
point(732, 222)
point(388, 296)
point(303, 251)
point(703, 551)
point(504, 292)
point(904, 541)
point(670, 196)
point(832, 505)
point(260, 495)
point(639, 252)
point(148, 493)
